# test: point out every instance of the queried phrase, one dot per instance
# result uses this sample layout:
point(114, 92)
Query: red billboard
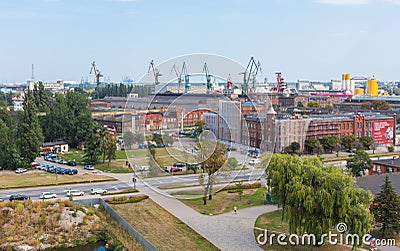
point(383, 132)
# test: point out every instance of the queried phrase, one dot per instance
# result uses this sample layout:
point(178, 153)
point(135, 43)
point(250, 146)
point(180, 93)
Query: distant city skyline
point(304, 39)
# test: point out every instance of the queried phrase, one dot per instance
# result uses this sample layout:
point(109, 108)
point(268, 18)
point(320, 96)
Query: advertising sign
point(383, 132)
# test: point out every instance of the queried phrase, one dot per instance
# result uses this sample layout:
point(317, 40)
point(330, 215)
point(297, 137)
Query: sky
point(304, 39)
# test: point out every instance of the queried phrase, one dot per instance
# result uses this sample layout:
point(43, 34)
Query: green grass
point(120, 154)
point(38, 178)
point(161, 228)
point(222, 202)
point(117, 166)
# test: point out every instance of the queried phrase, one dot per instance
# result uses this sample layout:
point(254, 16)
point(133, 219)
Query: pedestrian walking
point(235, 210)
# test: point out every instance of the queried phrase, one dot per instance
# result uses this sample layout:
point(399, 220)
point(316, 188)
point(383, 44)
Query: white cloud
point(393, 1)
point(344, 2)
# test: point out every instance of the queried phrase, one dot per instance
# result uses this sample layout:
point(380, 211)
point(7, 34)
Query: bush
point(390, 149)
point(119, 198)
point(132, 199)
point(236, 187)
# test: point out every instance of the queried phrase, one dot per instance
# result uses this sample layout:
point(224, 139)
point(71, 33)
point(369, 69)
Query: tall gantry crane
point(208, 77)
point(250, 74)
point(185, 73)
point(229, 83)
point(156, 72)
point(281, 83)
point(178, 75)
point(96, 73)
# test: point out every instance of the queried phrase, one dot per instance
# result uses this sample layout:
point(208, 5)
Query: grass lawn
point(273, 223)
point(78, 157)
point(161, 228)
point(40, 178)
point(222, 202)
point(116, 166)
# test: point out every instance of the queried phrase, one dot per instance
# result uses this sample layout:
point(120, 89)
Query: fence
point(121, 221)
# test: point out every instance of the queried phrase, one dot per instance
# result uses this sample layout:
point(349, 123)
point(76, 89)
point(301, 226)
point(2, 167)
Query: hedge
point(131, 190)
point(243, 186)
point(123, 199)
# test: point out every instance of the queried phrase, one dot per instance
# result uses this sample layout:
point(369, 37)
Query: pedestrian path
point(228, 231)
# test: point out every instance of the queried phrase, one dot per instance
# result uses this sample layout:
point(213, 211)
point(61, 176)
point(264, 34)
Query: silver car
point(74, 192)
point(48, 195)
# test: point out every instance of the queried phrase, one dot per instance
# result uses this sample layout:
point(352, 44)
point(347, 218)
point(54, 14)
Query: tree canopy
point(314, 197)
point(386, 208)
point(359, 162)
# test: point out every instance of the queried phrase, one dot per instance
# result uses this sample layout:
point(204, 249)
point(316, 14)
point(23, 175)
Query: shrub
point(132, 199)
point(119, 198)
point(236, 187)
point(19, 207)
point(131, 190)
point(390, 149)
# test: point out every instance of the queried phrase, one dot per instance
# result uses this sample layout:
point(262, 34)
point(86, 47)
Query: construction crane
point(96, 72)
point(250, 73)
point(229, 84)
point(156, 72)
point(208, 77)
point(178, 75)
point(185, 73)
point(281, 83)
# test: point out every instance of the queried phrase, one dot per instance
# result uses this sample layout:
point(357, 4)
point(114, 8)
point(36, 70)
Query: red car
point(34, 164)
point(175, 169)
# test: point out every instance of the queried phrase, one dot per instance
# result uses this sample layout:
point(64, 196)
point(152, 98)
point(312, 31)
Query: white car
point(98, 191)
point(144, 168)
point(254, 161)
point(89, 167)
point(48, 195)
point(75, 193)
point(20, 170)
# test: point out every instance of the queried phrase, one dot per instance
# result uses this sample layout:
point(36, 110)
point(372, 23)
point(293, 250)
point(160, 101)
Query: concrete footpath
point(228, 231)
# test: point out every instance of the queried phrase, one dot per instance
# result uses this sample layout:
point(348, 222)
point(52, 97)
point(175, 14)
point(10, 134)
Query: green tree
point(129, 139)
point(10, 157)
point(293, 148)
point(157, 138)
point(232, 162)
point(215, 153)
point(314, 197)
point(30, 137)
point(139, 138)
point(200, 126)
point(108, 145)
point(390, 149)
point(57, 126)
point(313, 146)
point(366, 142)
point(92, 144)
point(331, 143)
point(359, 162)
point(313, 104)
point(239, 189)
point(167, 140)
point(349, 142)
point(386, 209)
point(381, 105)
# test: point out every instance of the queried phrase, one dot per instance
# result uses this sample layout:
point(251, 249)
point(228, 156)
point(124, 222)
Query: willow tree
point(314, 198)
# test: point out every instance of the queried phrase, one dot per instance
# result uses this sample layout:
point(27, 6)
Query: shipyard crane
point(208, 77)
point(250, 73)
point(185, 73)
point(96, 73)
point(155, 71)
point(229, 84)
point(281, 83)
point(178, 75)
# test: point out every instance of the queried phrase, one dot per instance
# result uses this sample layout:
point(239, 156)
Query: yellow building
point(372, 87)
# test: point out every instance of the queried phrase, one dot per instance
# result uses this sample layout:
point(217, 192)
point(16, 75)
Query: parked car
point(73, 171)
point(179, 165)
point(89, 167)
point(35, 164)
point(254, 161)
point(64, 162)
point(71, 163)
point(175, 169)
point(98, 191)
point(48, 195)
point(1, 199)
point(74, 192)
point(144, 168)
point(18, 197)
point(20, 170)
point(231, 149)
